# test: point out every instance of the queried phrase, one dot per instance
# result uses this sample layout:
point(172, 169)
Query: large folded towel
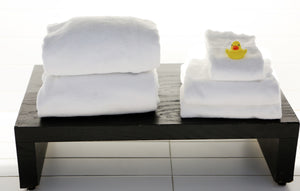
point(229, 111)
point(101, 94)
point(203, 97)
point(94, 45)
point(200, 89)
point(226, 69)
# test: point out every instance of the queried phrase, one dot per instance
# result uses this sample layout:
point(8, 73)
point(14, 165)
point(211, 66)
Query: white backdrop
point(181, 23)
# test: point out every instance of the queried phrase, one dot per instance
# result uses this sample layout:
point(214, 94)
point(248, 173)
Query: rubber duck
point(236, 51)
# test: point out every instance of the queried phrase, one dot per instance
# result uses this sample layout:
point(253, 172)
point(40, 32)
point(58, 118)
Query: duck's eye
point(238, 44)
point(231, 44)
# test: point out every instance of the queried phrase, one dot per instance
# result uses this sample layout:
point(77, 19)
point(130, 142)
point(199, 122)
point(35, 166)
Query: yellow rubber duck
point(236, 51)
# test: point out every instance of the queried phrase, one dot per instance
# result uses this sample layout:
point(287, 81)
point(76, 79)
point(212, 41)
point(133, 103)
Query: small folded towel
point(203, 97)
point(226, 69)
point(101, 94)
point(94, 45)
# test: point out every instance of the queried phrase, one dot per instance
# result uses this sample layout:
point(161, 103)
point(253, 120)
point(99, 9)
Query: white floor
point(149, 165)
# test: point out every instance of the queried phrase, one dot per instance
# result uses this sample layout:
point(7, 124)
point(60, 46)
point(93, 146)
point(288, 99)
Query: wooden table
point(277, 138)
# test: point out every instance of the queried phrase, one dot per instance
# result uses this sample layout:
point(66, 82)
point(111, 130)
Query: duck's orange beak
point(235, 47)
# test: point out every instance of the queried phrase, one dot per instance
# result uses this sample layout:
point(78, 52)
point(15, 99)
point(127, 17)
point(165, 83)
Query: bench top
point(164, 123)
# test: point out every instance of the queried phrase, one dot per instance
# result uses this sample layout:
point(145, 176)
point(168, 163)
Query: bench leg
point(280, 156)
point(30, 163)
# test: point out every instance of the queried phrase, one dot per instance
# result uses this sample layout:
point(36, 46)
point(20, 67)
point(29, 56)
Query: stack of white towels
point(99, 66)
point(218, 86)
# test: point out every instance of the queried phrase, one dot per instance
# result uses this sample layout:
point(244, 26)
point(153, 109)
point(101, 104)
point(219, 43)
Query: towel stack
point(99, 66)
point(218, 86)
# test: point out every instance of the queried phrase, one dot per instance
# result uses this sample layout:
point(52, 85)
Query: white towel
point(203, 97)
point(94, 45)
point(199, 88)
point(224, 68)
point(228, 111)
point(101, 94)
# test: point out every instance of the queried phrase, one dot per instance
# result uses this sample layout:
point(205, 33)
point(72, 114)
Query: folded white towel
point(203, 97)
point(101, 94)
point(94, 45)
point(224, 68)
point(228, 111)
point(204, 62)
point(199, 88)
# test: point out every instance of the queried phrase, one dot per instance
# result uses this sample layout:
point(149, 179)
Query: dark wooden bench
point(277, 138)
